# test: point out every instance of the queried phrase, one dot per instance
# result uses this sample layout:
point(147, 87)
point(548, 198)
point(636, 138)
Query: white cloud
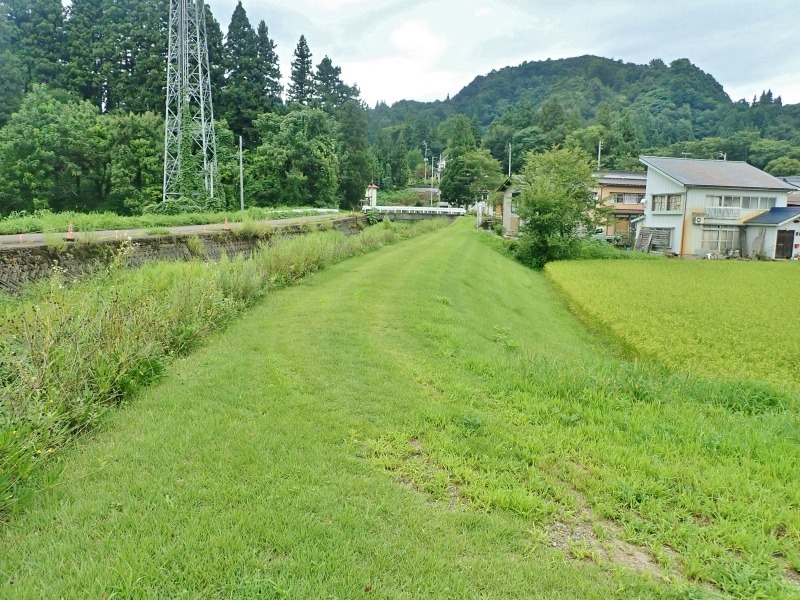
point(415, 39)
point(334, 4)
point(394, 78)
point(483, 11)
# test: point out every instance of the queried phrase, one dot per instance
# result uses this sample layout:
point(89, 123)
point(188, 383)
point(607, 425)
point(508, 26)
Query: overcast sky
point(425, 50)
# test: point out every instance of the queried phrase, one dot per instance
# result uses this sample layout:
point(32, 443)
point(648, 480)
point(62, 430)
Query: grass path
point(244, 474)
point(346, 439)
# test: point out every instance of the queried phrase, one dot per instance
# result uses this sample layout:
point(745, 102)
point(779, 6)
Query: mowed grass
point(731, 319)
point(424, 421)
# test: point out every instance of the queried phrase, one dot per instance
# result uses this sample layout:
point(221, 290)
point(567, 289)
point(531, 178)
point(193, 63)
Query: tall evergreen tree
point(301, 87)
point(270, 69)
point(86, 45)
point(141, 56)
point(36, 33)
point(216, 57)
point(355, 158)
point(242, 95)
point(12, 76)
point(330, 92)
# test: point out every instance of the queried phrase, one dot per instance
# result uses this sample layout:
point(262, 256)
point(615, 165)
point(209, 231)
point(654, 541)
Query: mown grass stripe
point(419, 421)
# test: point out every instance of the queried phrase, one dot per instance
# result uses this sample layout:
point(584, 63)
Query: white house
point(699, 207)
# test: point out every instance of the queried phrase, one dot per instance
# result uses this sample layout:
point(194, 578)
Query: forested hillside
point(674, 109)
point(82, 95)
point(82, 101)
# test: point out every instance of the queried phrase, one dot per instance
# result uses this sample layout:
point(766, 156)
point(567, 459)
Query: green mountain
point(671, 108)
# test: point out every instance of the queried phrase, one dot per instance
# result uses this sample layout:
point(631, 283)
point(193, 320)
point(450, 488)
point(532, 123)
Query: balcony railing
point(728, 213)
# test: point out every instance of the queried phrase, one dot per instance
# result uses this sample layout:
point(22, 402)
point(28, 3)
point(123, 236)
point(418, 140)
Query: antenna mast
point(189, 117)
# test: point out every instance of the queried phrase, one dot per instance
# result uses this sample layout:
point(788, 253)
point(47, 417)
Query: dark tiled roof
point(624, 182)
point(627, 209)
point(794, 180)
point(776, 216)
point(715, 173)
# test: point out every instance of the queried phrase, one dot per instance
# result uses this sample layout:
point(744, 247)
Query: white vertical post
point(241, 176)
point(599, 149)
point(431, 181)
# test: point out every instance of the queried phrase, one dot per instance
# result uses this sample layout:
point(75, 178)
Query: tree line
point(82, 93)
point(82, 97)
point(659, 109)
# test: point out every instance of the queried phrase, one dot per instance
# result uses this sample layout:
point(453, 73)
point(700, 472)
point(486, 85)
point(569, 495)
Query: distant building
point(711, 207)
point(622, 192)
point(511, 188)
point(794, 196)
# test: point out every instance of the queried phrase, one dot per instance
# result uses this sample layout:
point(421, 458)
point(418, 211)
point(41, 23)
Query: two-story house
point(699, 207)
point(621, 192)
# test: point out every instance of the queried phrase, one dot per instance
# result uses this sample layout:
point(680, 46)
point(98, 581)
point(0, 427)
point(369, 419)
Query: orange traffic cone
point(226, 227)
point(70, 233)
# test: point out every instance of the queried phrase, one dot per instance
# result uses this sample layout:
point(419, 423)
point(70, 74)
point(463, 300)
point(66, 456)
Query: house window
point(719, 239)
point(746, 202)
point(667, 203)
point(620, 198)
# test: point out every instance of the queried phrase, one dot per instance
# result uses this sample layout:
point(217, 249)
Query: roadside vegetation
point(44, 221)
point(708, 318)
point(69, 351)
point(425, 421)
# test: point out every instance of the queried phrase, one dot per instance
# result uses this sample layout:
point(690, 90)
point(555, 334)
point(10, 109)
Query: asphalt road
point(38, 239)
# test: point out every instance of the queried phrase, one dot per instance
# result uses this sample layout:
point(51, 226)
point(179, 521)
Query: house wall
point(657, 183)
point(696, 207)
point(766, 246)
point(687, 237)
point(619, 224)
point(510, 220)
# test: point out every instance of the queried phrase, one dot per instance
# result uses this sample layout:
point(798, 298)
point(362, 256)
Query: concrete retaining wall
point(20, 266)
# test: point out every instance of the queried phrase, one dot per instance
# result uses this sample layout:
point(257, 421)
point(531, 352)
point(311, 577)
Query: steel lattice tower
point(189, 112)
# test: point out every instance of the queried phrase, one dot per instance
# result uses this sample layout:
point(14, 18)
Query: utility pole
point(432, 159)
point(189, 114)
point(241, 175)
point(599, 150)
point(509, 158)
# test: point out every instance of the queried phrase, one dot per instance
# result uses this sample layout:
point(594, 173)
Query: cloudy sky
point(424, 50)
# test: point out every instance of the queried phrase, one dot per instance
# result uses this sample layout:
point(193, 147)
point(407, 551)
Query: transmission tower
point(189, 112)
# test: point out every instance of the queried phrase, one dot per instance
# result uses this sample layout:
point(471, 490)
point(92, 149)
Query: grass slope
point(424, 421)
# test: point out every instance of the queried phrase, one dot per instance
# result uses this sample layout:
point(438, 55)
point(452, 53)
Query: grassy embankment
point(47, 222)
point(425, 421)
point(68, 352)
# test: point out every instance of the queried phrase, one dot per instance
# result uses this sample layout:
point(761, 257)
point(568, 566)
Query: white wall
point(657, 183)
point(770, 236)
point(696, 203)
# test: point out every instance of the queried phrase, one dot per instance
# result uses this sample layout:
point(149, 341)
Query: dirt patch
point(793, 576)
point(589, 538)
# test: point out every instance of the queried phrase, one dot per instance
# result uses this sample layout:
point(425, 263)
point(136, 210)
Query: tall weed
point(69, 352)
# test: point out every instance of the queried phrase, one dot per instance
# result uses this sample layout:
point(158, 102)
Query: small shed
point(775, 233)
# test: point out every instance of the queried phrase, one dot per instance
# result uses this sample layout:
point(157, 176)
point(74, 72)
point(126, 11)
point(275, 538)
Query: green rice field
point(729, 319)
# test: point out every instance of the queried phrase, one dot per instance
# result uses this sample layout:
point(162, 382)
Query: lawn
point(428, 420)
point(731, 319)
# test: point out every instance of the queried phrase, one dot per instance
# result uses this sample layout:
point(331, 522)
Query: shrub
point(175, 206)
point(196, 246)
